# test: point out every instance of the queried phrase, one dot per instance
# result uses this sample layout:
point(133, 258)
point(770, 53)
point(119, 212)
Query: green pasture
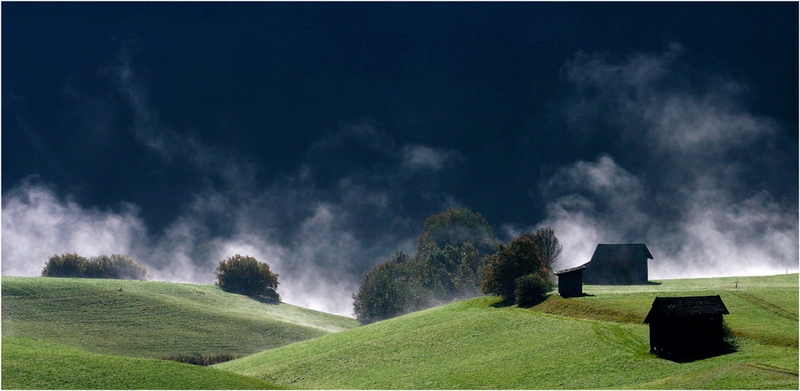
point(106, 334)
point(591, 342)
point(762, 308)
point(33, 364)
point(154, 319)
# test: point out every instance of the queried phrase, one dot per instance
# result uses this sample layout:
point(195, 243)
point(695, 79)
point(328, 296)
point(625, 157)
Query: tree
point(450, 254)
point(451, 251)
point(549, 248)
point(246, 275)
point(387, 290)
point(457, 226)
point(518, 258)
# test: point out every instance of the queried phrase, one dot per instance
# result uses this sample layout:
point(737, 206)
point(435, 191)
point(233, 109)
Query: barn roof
point(565, 271)
point(620, 251)
point(686, 306)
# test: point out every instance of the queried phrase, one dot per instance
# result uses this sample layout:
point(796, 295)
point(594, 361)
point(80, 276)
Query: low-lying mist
point(679, 174)
point(699, 190)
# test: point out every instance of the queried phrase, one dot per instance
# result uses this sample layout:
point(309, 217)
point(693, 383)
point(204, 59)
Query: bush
point(65, 265)
point(117, 266)
point(531, 289)
point(244, 274)
point(125, 268)
point(202, 359)
point(518, 258)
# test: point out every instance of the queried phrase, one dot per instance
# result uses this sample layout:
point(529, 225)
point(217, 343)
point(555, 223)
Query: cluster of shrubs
point(517, 270)
point(202, 359)
point(457, 257)
point(116, 266)
point(237, 274)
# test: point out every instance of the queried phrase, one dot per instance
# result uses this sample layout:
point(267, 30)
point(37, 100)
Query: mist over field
point(626, 146)
point(691, 199)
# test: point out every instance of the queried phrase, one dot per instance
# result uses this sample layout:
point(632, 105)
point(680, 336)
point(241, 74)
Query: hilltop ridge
point(154, 319)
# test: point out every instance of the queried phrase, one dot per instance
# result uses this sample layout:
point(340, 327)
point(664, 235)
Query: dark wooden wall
point(571, 284)
point(616, 272)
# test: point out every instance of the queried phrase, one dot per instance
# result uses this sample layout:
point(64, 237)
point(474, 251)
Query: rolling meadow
point(55, 328)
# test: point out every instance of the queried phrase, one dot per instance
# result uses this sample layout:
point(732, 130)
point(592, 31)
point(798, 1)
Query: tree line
point(457, 256)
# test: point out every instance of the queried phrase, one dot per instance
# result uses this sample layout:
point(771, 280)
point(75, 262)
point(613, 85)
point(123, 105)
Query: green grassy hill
point(589, 342)
point(153, 319)
point(32, 364)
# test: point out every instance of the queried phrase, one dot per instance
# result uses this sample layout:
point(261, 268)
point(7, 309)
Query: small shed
point(618, 264)
point(686, 325)
point(570, 281)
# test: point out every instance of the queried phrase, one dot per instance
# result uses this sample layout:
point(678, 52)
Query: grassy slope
point(153, 319)
point(32, 364)
point(474, 345)
point(762, 308)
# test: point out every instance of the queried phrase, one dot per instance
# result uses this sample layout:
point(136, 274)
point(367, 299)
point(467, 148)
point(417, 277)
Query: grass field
point(104, 334)
point(32, 364)
point(592, 342)
point(153, 319)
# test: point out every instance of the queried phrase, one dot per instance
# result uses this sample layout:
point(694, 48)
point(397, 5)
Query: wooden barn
point(570, 281)
point(686, 325)
point(618, 264)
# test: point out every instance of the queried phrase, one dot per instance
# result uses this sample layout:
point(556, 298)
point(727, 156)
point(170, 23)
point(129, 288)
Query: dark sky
point(320, 135)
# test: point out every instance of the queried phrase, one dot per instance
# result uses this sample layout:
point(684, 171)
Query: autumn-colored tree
point(549, 247)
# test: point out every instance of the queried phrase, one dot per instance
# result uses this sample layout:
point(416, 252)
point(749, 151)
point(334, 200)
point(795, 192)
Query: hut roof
point(565, 271)
point(620, 251)
point(686, 306)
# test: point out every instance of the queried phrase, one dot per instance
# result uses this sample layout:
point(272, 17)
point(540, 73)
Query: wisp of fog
point(690, 196)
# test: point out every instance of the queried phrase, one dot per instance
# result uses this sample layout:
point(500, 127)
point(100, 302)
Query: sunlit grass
point(154, 319)
point(758, 309)
point(32, 364)
point(475, 344)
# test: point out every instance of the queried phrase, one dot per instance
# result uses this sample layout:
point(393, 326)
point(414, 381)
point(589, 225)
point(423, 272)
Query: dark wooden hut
point(570, 281)
point(618, 264)
point(686, 325)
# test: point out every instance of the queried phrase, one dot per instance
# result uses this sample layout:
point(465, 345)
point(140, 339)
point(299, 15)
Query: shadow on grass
point(584, 294)
point(202, 359)
point(687, 357)
point(504, 303)
point(727, 346)
point(525, 304)
point(625, 284)
point(265, 300)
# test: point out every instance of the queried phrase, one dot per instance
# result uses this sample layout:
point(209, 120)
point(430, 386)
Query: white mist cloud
point(422, 157)
point(319, 228)
point(37, 224)
point(593, 203)
point(691, 202)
